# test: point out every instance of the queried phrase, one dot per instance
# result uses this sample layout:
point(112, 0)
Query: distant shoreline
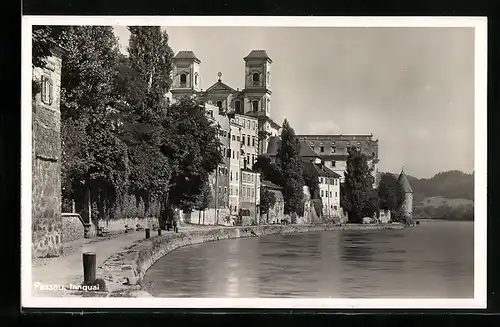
point(443, 219)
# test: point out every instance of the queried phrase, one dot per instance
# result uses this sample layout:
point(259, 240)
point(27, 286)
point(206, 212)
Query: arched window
point(256, 79)
point(237, 106)
point(196, 79)
point(255, 105)
point(219, 104)
point(183, 79)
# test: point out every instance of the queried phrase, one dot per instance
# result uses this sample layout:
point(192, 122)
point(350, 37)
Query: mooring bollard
point(147, 233)
point(159, 231)
point(89, 267)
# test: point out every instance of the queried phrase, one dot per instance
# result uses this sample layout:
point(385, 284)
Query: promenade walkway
point(68, 268)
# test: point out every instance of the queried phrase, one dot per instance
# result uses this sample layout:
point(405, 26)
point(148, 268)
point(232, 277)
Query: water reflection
point(424, 261)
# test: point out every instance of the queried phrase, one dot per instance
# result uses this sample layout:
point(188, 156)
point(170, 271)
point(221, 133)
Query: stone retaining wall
point(141, 255)
point(72, 228)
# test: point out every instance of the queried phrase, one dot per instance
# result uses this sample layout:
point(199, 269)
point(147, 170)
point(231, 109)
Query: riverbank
point(133, 261)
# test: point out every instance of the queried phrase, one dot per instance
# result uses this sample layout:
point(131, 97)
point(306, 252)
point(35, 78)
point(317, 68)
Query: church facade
point(253, 101)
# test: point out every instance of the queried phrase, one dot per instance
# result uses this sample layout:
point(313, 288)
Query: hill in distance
point(451, 187)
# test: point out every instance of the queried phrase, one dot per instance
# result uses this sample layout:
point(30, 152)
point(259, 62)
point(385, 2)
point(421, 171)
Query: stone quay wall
point(141, 255)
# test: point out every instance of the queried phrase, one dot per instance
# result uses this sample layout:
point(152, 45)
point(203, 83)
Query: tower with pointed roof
point(186, 75)
point(408, 191)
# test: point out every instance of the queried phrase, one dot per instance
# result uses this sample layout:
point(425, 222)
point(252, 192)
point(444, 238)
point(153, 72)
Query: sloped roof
point(403, 180)
point(305, 150)
point(321, 170)
point(187, 55)
point(258, 54)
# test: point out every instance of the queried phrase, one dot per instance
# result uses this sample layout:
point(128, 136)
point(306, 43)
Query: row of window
point(331, 181)
point(246, 177)
point(246, 191)
point(312, 143)
point(183, 79)
point(246, 123)
point(226, 134)
point(250, 178)
point(248, 140)
point(232, 154)
point(331, 206)
point(324, 194)
point(237, 105)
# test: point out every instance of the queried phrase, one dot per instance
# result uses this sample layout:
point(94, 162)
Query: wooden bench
point(103, 231)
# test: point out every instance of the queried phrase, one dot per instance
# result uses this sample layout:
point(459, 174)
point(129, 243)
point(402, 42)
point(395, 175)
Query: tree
point(372, 204)
point(95, 160)
point(357, 196)
point(203, 199)
point(44, 38)
point(142, 82)
point(289, 163)
point(311, 180)
point(267, 201)
point(390, 192)
point(269, 171)
point(191, 144)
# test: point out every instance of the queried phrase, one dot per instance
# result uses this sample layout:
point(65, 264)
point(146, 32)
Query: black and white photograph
point(254, 162)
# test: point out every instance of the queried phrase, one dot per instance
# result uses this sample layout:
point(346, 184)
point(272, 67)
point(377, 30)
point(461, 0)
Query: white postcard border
point(480, 214)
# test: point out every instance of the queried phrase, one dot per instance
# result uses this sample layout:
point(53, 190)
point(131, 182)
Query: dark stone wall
point(46, 226)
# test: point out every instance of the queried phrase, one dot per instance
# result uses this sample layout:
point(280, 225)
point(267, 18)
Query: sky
point(412, 87)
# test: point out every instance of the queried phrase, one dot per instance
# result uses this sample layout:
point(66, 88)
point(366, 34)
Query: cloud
point(322, 127)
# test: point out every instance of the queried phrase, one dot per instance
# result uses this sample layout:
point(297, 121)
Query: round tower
point(408, 201)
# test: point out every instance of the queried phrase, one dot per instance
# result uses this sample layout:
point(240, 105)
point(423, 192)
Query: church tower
point(186, 75)
point(258, 83)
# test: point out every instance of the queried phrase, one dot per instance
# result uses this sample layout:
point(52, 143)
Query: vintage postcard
point(254, 162)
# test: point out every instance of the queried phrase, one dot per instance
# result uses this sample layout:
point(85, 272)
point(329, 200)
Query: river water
point(432, 260)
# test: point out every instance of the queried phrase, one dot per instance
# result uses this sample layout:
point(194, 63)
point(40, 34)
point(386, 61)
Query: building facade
point(332, 149)
point(220, 178)
point(234, 167)
point(249, 138)
point(328, 187)
point(250, 193)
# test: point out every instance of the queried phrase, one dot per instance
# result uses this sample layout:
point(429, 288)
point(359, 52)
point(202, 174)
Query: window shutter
point(51, 91)
point(43, 88)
